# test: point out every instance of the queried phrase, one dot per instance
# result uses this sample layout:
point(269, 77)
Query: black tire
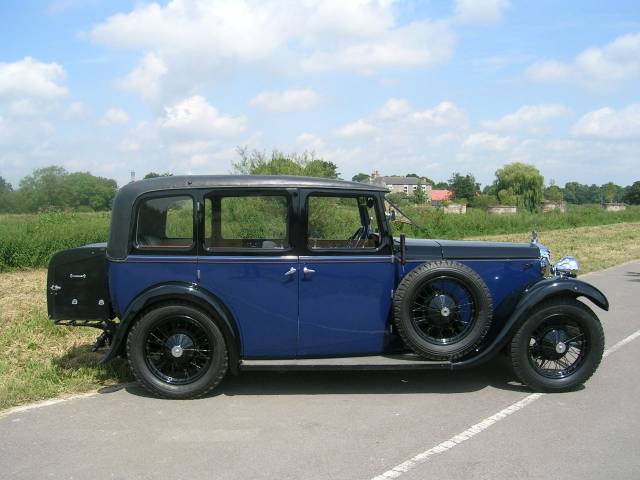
point(445, 335)
point(533, 351)
point(160, 357)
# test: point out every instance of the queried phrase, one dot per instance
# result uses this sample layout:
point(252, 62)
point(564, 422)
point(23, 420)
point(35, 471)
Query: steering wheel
point(354, 239)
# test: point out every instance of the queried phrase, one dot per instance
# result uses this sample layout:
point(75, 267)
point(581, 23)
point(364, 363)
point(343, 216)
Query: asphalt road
point(355, 425)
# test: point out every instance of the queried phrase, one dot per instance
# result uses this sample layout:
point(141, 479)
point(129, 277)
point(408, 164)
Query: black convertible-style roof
point(118, 245)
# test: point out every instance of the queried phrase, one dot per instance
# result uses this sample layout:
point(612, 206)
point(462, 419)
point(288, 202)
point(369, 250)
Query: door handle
point(307, 271)
point(290, 272)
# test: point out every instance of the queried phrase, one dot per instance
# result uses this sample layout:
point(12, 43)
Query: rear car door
point(246, 259)
point(346, 274)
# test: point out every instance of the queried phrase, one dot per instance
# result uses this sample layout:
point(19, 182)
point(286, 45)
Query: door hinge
point(198, 274)
point(392, 293)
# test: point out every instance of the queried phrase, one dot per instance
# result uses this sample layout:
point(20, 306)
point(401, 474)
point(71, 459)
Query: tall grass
point(476, 223)
point(29, 241)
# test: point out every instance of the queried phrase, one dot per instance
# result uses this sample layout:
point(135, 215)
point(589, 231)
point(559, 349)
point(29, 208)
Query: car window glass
point(342, 222)
point(246, 222)
point(165, 222)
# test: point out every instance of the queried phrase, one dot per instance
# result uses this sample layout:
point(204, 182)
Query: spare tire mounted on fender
point(442, 310)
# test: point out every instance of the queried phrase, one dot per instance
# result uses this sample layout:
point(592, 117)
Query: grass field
point(39, 360)
point(29, 241)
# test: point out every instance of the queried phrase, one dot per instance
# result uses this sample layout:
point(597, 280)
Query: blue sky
point(430, 87)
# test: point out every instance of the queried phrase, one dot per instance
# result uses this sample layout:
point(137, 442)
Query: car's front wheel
point(177, 351)
point(559, 347)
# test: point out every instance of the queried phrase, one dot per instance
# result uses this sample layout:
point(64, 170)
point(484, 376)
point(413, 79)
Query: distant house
point(407, 185)
point(441, 195)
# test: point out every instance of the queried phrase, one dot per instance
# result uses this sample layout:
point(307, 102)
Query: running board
point(370, 362)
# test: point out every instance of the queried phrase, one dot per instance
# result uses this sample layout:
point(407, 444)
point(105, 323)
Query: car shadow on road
point(495, 374)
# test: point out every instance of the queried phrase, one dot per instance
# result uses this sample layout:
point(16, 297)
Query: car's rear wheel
point(559, 347)
point(442, 310)
point(177, 351)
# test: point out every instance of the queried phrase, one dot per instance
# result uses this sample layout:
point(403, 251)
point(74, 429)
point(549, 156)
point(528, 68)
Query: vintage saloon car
point(208, 274)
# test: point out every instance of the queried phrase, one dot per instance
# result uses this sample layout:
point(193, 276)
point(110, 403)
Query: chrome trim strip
point(246, 259)
point(347, 258)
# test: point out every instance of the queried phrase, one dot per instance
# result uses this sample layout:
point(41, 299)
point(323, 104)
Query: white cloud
point(607, 123)
point(195, 117)
point(359, 128)
point(528, 116)
point(421, 43)
point(444, 115)
point(74, 111)
point(309, 141)
point(146, 77)
point(596, 66)
point(286, 101)
point(489, 142)
point(114, 116)
point(394, 107)
point(30, 78)
point(481, 12)
point(187, 44)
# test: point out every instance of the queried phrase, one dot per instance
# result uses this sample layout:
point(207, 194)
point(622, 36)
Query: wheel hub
point(554, 344)
point(178, 343)
point(441, 307)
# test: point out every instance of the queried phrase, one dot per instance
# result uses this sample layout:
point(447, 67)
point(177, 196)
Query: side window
point(342, 223)
point(246, 222)
point(165, 223)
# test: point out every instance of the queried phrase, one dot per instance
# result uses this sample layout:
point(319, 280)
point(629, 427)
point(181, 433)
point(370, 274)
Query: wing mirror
point(391, 214)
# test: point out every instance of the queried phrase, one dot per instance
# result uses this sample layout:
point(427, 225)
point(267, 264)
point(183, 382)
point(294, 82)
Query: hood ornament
point(534, 237)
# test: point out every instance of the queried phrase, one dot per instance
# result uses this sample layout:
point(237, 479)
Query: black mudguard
point(532, 296)
point(178, 291)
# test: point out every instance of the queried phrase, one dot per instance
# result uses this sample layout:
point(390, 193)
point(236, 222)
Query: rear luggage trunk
point(77, 285)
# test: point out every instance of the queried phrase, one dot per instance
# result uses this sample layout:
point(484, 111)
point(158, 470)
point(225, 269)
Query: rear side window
point(246, 222)
point(165, 223)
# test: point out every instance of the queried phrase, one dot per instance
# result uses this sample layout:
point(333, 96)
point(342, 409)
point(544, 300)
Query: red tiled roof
point(441, 195)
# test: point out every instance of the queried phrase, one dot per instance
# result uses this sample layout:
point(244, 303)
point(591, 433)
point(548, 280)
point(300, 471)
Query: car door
point(346, 274)
point(246, 259)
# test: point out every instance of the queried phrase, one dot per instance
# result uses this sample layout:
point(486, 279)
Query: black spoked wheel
point(442, 310)
point(559, 347)
point(177, 351)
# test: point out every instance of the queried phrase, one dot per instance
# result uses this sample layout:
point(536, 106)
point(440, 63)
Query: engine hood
point(422, 249)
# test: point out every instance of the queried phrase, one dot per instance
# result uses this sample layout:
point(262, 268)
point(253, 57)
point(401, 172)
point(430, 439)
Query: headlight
point(567, 266)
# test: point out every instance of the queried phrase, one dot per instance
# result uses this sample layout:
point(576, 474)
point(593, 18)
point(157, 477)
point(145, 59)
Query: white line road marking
point(471, 432)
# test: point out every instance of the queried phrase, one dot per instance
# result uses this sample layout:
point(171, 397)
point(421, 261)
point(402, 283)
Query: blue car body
point(334, 304)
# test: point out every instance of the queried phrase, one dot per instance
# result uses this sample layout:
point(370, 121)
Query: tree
point(522, 180)
point(632, 194)
point(54, 187)
point(418, 197)
point(255, 162)
point(412, 175)
point(578, 193)
point(156, 175)
point(360, 177)
point(553, 193)
point(464, 186)
point(611, 192)
point(5, 186)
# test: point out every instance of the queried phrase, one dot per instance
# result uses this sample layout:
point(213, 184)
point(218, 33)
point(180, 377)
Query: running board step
point(370, 362)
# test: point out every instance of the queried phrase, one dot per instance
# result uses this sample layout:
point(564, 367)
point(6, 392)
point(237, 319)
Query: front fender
point(532, 296)
point(178, 291)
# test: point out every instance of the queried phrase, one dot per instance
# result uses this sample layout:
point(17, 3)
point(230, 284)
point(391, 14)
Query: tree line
point(515, 184)
point(521, 185)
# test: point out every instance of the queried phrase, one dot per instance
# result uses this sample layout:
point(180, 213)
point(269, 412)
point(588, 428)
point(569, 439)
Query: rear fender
point(532, 296)
point(184, 292)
